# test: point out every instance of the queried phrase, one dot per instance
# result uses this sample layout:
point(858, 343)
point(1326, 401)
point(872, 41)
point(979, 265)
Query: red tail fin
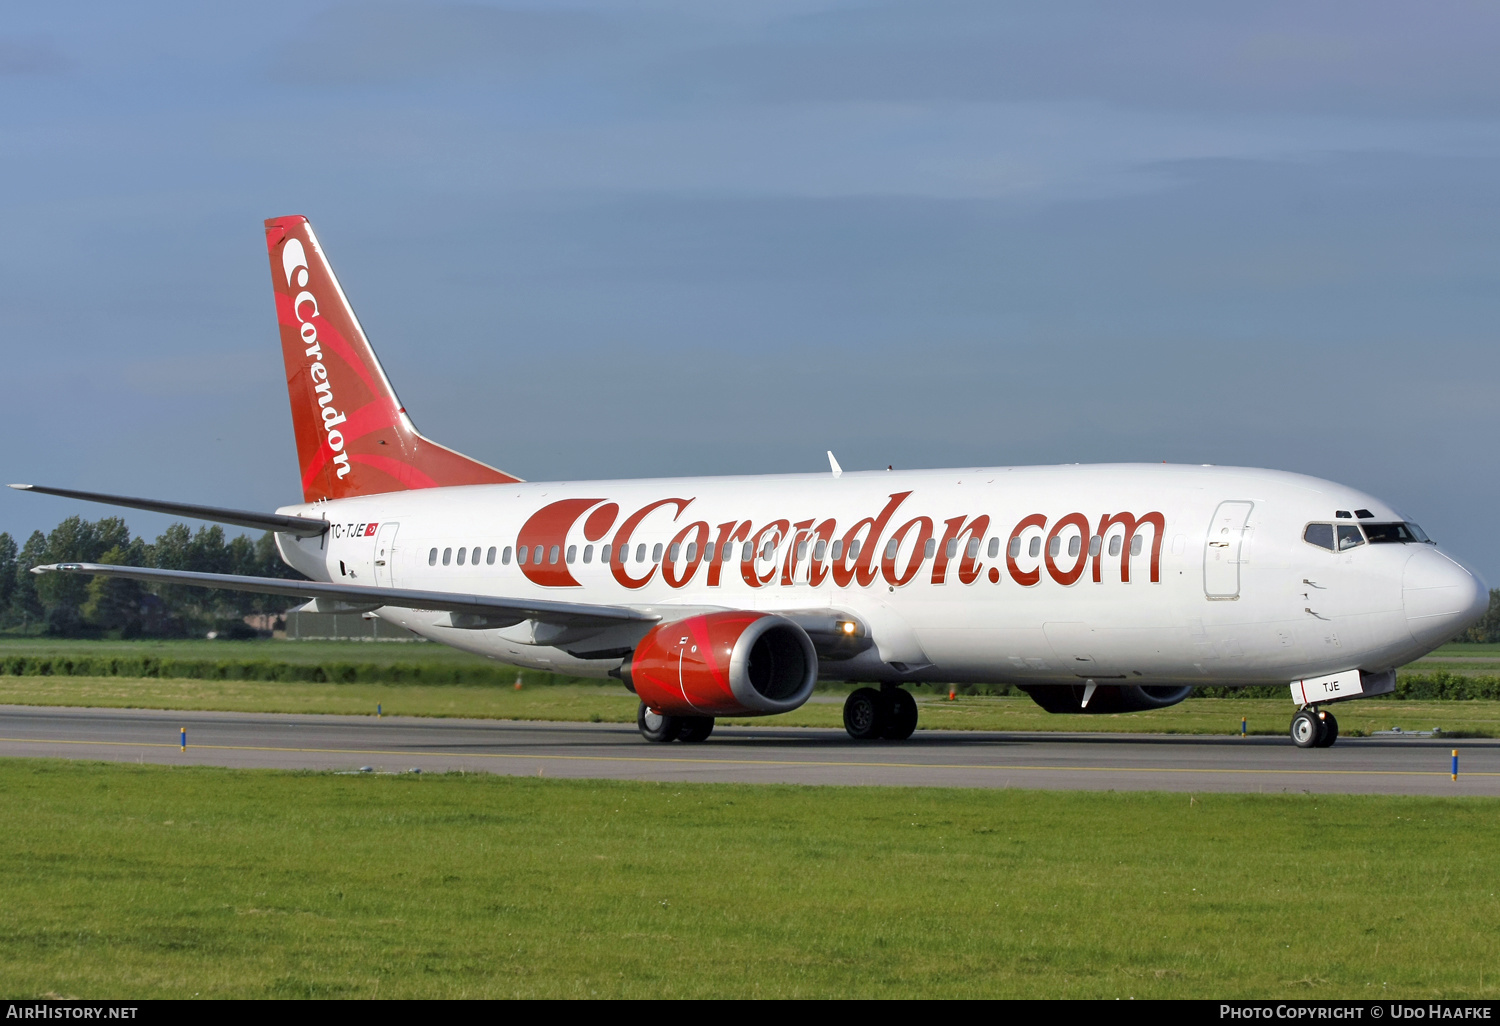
point(353, 435)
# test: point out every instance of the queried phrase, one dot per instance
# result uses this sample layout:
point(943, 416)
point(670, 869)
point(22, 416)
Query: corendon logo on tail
point(305, 308)
point(1063, 548)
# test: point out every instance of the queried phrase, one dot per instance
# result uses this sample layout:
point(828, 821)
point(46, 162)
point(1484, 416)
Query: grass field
point(139, 881)
point(379, 652)
point(611, 703)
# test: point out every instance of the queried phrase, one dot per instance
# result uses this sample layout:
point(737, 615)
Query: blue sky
point(639, 239)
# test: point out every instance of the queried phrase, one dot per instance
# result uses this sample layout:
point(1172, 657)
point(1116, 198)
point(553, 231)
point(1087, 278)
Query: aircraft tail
point(353, 434)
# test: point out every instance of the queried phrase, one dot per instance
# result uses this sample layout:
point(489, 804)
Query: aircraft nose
point(1441, 596)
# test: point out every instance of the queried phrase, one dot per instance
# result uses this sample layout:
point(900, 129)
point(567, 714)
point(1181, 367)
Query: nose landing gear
point(1314, 728)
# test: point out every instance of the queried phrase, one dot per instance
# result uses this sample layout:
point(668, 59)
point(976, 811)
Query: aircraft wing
point(466, 610)
point(302, 527)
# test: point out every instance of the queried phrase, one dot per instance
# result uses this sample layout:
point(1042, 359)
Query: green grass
point(307, 652)
point(611, 703)
point(142, 882)
point(1486, 651)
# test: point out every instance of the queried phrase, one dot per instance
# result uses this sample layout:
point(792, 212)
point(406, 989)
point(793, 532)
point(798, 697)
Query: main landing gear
point(890, 713)
point(659, 727)
point(1314, 728)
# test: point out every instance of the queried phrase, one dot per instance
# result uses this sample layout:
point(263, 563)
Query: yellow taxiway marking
point(862, 764)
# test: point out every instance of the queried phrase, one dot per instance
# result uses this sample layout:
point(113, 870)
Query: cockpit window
point(1349, 537)
point(1320, 535)
point(1390, 534)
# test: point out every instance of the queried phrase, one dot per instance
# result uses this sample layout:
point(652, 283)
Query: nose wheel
point(1314, 728)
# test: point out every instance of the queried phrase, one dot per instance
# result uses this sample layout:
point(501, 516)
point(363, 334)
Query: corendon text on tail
point(1093, 588)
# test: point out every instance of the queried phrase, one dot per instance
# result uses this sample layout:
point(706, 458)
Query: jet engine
point(724, 664)
point(1107, 698)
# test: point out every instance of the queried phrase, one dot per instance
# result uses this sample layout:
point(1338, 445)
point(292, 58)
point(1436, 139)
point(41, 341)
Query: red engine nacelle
point(725, 664)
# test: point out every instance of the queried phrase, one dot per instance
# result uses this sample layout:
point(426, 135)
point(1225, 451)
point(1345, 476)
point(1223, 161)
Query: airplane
point(1093, 589)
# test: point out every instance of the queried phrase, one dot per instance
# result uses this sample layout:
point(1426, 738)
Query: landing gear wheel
point(657, 727)
point(1330, 730)
point(865, 714)
point(901, 715)
point(1307, 729)
point(693, 729)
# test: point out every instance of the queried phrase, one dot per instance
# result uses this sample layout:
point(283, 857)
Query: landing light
point(848, 627)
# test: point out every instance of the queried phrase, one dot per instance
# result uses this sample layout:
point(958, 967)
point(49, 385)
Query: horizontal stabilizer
point(303, 527)
point(496, 611)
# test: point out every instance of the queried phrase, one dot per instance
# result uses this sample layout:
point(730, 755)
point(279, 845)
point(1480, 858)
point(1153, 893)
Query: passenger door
point(1221, 553)
point(385, 550)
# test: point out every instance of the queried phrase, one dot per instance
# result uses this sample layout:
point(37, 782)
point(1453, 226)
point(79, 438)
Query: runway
point(753, 755)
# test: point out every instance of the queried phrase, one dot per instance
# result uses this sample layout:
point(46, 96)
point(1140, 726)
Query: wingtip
point(21, 487)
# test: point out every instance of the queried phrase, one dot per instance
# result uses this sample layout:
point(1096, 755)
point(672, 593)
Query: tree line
point(77, 606)
point(1488, 628)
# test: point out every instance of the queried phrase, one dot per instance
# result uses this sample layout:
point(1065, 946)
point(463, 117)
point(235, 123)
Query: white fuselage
point(1221, 588)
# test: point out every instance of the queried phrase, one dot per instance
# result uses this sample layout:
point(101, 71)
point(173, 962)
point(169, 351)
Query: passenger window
point(802, 550)
point(640, 553)
point(768, 550)
point(447, 556)
point(1054, 547)
point(536, 556)
point(674, 551)
point(572, 553)
point(994, 546)
point(951, 549)
point(1035, 548)
point(604, 553)
point(505, 555)
point(552, 556)
point(489, 557)
point(746, 552)
point(692, 553)
point(474, 556)
point(656, 553)
point(1094, 544)
point(588, 553)
point(930, 549)
point(838, 550)
point(1015, 548)
point(460, 556)
point(1349, 537)
point(973, 547)
point(891, 547)
point(1320, 535)
point(521, 553)
point(432, 558)
point(1135, 545)
point(1074, 544)
point(854, 550)
point(820, 550)
point(708, 552)
point(1114, 545)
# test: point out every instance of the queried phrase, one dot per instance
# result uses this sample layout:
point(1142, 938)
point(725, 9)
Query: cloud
point(30, 57)
point(1344, 56)
point(385, 43)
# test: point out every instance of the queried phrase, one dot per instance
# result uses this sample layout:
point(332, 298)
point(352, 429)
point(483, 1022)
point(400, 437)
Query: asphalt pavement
point(753, 754)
